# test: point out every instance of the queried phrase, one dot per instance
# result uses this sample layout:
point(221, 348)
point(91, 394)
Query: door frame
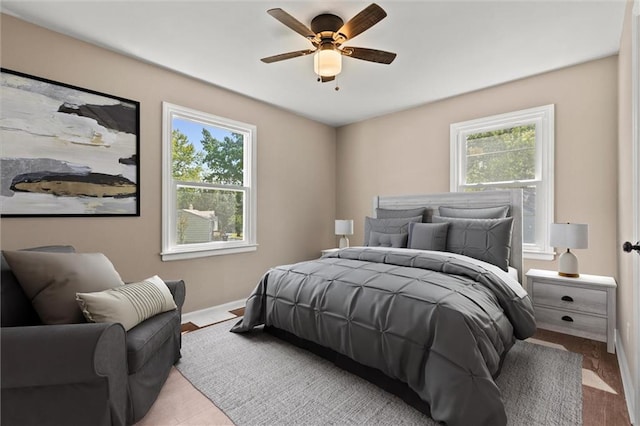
point(635, 141)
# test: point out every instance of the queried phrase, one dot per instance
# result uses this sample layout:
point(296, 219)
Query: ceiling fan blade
point(289, 55)
point(325, 79)
point(291, 22)
point(372, 55)
point(364, 20)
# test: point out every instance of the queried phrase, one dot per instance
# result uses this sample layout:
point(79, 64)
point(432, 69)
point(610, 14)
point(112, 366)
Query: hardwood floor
point(603, 403)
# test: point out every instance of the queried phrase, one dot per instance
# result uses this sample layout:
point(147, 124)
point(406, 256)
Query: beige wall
point(401, 153)
point(296, 170)
point(626, 326)
point(408, 152)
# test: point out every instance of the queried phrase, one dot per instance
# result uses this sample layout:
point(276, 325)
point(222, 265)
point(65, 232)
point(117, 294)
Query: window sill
point(538, 255)
point(194, 254)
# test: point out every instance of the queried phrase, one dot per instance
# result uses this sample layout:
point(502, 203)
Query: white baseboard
point(627, 380)
point(213, 314)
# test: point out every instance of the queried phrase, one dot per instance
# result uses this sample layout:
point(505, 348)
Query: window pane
point(501, 155)
point(529, 215)
point(206, 215)
point(206, 153)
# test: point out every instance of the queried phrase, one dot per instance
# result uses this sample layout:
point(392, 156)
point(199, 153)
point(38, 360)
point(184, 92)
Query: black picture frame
point(66, 151)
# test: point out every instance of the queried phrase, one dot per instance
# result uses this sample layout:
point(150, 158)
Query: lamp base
point(568, 265)
point(344, 242)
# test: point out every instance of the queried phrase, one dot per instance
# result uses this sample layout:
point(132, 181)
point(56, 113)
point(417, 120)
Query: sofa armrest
point(64, 374)
point(178, 291)
point(70, 353)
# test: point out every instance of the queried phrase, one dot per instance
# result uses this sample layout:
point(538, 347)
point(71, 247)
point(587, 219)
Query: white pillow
point(129, 304)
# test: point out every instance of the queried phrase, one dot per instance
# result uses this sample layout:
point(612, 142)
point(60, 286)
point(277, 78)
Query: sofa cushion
point(16, 309)
point(145, 339)
point(129, 304)
point(51, 281)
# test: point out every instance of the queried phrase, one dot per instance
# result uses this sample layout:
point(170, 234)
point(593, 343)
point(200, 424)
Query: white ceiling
point(444, 48)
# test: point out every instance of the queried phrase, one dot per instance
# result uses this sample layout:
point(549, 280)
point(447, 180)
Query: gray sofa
point(81, 374)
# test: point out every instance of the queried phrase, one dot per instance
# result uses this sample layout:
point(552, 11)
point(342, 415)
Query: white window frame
point(543, 119)
point(171, 250)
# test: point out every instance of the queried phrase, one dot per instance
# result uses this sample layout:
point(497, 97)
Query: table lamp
point(571, 236)
point(344, 228)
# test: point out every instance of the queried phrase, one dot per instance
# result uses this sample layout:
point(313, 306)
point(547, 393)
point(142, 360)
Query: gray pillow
point(398, 225)
point(483, 239)
point(395, 213)
point(475, 212)
point(428, 236)
point(15, 308)
point(379, 239)
point(51, 280)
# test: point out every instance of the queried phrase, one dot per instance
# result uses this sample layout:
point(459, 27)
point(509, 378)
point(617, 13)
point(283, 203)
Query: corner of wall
point(627, 380)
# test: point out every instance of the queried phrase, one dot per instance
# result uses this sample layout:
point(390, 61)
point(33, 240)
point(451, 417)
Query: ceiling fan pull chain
point(336, 80)
point(318, 73)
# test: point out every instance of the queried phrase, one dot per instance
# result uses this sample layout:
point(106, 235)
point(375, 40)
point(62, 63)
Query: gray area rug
point(257, 379)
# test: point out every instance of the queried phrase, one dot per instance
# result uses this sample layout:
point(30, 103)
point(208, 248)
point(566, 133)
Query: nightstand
point(583, 306)
point(331, 250)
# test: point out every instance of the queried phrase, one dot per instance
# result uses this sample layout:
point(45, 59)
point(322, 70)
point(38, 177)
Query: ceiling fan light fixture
point(327, 62)
point(327, 34)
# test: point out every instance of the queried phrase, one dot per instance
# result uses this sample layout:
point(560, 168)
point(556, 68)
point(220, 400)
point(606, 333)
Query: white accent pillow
point(129, 304)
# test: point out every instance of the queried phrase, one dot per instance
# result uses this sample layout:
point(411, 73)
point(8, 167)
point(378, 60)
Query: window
point(209, 190)
point(513, 150)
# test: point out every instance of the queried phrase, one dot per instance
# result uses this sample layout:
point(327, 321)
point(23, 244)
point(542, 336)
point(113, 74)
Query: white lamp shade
point(327, 62)
point(344, 227)
point(569, 235)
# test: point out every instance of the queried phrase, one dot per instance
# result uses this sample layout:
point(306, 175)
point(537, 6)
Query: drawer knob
point(567, 298)
point(567, 318)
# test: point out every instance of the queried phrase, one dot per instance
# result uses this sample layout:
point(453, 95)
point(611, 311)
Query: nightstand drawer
point(589, 326)
point(574, 298)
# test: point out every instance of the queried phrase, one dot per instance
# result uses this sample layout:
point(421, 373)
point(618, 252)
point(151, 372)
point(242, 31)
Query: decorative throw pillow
point(15, 308)
point(378, 239)
point(475, 212)
point(129, 304)
point(388, 226)
point(428, 236)
point(51, 280)
point(488, 240)
point(395, 213)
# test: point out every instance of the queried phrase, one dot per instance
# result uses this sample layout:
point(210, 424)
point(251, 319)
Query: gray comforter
point(439, 323)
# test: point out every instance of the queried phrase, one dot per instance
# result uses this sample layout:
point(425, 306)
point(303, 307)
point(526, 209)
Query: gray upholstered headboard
point(512, 197)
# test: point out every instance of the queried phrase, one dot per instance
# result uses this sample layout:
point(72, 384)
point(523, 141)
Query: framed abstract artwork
point(66, 151)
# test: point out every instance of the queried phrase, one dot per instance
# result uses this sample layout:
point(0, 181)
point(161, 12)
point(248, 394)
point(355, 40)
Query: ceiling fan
point(327, 34)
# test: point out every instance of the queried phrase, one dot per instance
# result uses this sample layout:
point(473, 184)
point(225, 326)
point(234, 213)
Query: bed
point(434, 311)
